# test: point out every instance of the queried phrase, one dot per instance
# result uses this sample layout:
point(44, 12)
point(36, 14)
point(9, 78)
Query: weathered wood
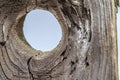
point(87, 50)
point(118, 2)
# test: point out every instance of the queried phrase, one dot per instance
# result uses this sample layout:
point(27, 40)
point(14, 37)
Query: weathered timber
point(87, 51)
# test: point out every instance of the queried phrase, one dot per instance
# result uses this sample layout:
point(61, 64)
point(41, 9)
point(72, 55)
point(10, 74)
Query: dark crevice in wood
point(44, 1)
point(76, 61)
point(73, 67)
point(67, 11)
point(61, 1)
point(63, 53)
point(28, 63)
point(2, 43)
point(4, 73)
point(86, 61)
point(72, 63)
point(90, 36)
point(72, 70)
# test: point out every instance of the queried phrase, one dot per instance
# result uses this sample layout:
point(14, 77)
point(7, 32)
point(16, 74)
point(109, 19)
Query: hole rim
point(58, 49)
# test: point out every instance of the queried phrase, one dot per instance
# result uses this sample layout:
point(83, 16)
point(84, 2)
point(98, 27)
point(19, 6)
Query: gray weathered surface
point(87, 51)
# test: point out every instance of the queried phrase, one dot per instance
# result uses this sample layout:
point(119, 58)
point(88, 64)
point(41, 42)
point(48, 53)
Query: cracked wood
point(87, 51)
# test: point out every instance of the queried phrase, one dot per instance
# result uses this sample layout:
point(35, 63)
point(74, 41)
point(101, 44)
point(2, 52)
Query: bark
point(87, 51)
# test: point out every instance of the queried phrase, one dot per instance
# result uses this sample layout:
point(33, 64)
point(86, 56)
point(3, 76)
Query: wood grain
point(87, 51)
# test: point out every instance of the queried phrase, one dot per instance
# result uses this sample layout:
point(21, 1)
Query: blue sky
point(42, 30)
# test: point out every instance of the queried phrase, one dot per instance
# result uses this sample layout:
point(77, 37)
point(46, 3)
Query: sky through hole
point(42, 30)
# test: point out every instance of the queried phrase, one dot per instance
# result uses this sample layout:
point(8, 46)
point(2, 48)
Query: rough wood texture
point(87, 50)
point(118, 3)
